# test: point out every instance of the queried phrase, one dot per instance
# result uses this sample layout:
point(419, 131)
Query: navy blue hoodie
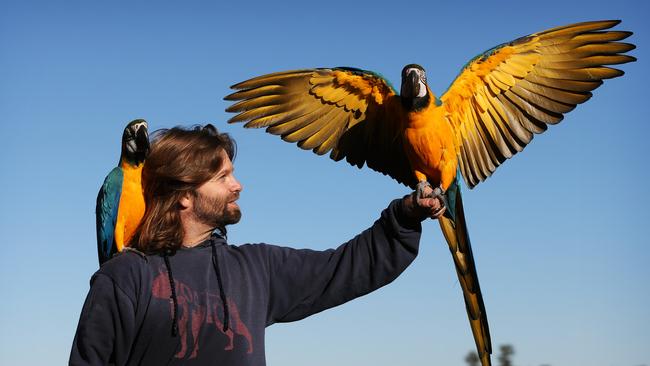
point(224, 296)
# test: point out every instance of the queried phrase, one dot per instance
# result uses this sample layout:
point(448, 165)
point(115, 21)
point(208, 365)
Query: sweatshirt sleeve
point(304, 282)
point(107, 311)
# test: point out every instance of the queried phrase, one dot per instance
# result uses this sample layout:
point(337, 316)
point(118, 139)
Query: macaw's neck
point(131, 162)
point(416, 104)
point(132, 159)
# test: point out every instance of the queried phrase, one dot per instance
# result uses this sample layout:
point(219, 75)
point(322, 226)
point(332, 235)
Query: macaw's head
point(135, 142)
point(414, 93)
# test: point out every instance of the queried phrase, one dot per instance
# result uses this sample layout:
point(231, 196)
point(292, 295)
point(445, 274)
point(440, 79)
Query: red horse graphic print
point(196, 309)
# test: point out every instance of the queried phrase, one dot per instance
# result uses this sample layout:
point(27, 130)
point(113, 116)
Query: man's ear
point(186, 201)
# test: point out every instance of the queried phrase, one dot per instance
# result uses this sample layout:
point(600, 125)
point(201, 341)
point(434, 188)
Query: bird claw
point(425, 190)
point(440, 195)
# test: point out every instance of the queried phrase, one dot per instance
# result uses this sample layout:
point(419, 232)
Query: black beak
point(415, 82)
point(142, 140)
point(410, 85)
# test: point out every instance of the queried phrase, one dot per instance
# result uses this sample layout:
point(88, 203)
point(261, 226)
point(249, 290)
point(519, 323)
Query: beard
point(215, 211)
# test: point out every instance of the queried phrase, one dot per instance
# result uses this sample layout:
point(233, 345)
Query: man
point(183, 296)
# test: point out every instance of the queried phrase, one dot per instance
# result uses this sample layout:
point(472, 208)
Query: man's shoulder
point(128, 264)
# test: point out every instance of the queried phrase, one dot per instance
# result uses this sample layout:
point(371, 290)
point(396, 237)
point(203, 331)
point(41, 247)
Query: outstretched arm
point(304, 282)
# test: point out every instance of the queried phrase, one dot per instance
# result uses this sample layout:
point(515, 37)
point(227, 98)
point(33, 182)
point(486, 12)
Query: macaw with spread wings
point(498, 102)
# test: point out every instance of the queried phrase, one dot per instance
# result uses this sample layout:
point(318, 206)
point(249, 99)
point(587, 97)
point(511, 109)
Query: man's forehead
point(226, 163)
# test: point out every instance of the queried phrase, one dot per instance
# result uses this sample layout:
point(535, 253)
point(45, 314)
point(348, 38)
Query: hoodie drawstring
point(222, 293)
point(173, 296)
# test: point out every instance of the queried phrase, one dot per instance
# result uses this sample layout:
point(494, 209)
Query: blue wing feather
point(108, 201)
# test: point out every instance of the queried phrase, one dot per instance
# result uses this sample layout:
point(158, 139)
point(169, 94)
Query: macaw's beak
point(142, 140)
point(410, 85)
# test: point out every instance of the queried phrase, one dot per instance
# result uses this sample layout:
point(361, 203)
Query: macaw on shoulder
point(494, 108)
point(120, 202)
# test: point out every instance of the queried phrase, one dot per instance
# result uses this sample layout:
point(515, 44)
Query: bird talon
point(423, 190)
point(439, 193)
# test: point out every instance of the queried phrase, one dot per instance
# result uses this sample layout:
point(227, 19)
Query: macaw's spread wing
point(108, 201)
point(504, 96)
point(352, 113)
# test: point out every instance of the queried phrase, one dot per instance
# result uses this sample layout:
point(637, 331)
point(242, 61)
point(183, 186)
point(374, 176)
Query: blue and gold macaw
point(120, 202)
point(498, 102)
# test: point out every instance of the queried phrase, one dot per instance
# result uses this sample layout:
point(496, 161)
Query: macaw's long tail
point(454, 228)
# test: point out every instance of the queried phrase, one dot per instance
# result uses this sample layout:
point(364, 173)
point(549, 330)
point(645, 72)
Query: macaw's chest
point(431, 146)
point(132, 206)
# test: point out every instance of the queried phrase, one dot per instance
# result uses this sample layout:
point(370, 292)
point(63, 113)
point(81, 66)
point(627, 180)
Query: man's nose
point(236, 185)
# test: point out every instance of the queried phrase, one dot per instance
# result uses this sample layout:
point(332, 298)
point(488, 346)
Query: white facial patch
point(422, 79)
point(137, 126)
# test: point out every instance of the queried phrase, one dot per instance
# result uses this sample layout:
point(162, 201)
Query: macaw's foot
point(425, 190)
point(440, 195)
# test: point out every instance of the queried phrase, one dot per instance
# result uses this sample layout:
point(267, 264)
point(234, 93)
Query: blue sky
point(559, 232)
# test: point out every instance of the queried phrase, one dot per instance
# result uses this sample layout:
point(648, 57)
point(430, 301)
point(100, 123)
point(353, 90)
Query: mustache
point(233, 197)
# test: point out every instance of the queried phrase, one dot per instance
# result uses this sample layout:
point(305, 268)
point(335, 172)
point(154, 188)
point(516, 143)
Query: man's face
point(215, 200)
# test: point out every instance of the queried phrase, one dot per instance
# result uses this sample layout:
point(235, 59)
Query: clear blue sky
point(559, 232)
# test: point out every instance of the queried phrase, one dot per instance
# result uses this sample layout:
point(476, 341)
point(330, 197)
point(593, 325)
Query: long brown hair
point(180, 161)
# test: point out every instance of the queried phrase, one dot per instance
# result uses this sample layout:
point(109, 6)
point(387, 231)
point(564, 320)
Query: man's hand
point(431, 207)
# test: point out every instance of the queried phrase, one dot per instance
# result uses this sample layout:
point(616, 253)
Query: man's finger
point(429, 202)
point(434, 202)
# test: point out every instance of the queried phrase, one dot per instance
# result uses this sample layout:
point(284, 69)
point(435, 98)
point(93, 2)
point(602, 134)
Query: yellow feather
point(592, 73)
point(353, 103)
point(252, 93)
point(524, 62)
point(515, 69)
point(258, 112)
point(464, 166)
point(541, 101)
point(590, 50)
point(479, 97)
point(492, 140)
point(487, 128)
point(295, 123)
point(266, 100)
point(566, 44)
point(479, 150)
point(311, 128)
point(276, 118)
point(468, 147)
point(586, 62)
point(503, 77)
point(494, 85)
point(532, 110)
point(570, 85)
point(572, 29)
point(333, 95)
point(330, 125)
point(563, 96)
point(280, 78)
point(514, 134)
point(331, 141)
point(526, 44)
point(516, 114)
point(321, 78)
